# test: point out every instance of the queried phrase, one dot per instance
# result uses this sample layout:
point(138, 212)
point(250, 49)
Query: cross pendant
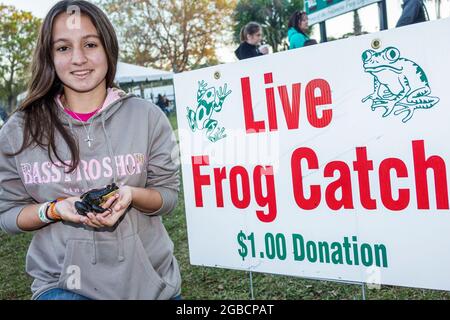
point(89, 140)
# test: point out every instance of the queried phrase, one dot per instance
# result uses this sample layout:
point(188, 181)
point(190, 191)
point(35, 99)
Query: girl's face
point(78, 54)
point(303, 23)
point(255, 39)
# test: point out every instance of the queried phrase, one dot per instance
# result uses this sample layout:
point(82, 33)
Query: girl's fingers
point(114, 215)
point(110, 201)
point(93, 220)
point(108, 221)
point(90, 224)
point(104, 214)
point(121, 204)
point(82, 219)
point(86, 221)
point(111, 219)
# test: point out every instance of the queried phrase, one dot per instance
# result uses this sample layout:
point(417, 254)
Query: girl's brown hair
point(249, 29)
point(39, 107)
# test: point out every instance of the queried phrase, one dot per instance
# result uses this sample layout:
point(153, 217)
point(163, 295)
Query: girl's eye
point(62, 49)
point(91, 45)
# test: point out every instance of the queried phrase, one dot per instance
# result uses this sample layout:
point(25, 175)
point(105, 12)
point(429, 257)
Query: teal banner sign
point(321, 10)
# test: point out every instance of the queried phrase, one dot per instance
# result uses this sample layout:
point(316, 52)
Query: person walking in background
point(251, 36)
point(163, 103)
point(297, 29)
point(166, 104)
point(414, 11)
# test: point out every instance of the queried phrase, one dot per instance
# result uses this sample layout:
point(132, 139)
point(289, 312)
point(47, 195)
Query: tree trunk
point(11, 103)
point(438, 9)
point(357, 27)
point(9, 85)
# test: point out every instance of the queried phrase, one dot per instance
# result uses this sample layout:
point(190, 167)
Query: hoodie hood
point(112, 102)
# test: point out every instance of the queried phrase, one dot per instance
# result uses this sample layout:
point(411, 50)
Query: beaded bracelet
point(52, 214)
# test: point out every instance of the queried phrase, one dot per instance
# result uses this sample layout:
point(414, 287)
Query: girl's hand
point(92, 218)
point(109, 218)
point(264, 49)
point(66, 209)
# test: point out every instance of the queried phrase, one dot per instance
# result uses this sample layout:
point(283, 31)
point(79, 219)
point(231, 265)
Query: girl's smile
point(82, 74)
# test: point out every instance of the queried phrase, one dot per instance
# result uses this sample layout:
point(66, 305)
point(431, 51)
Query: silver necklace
point(88, 131)
point(88, 136)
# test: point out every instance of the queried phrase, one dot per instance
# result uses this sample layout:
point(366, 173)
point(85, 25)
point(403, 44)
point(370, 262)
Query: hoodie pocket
point(148, 267)
point(97, 271)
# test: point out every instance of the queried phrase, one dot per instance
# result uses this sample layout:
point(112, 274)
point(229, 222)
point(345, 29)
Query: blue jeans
point(61, 294)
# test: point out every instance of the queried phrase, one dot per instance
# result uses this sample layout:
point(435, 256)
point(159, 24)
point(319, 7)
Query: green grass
point(205, 282)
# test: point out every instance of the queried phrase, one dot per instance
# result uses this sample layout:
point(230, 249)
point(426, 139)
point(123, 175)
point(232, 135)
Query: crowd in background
point(252, 35)
point(414, 11)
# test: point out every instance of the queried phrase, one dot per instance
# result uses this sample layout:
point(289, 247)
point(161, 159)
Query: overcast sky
point(335, 27)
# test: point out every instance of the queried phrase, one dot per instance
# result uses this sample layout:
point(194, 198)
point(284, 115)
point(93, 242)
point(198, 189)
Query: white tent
point(127, 73)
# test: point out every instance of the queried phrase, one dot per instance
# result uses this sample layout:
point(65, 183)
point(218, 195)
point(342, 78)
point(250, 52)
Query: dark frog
point(92, 200)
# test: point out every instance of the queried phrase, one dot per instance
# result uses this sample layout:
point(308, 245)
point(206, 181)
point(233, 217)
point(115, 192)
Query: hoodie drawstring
point(86, 187)
point(94, 254)
point(120, 241)
point(70, 125)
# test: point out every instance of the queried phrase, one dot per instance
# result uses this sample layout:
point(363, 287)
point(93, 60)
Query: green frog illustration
point(209, 100)
point(398, 82)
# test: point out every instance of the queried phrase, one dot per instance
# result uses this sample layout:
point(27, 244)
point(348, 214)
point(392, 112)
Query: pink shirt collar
point(112, 95)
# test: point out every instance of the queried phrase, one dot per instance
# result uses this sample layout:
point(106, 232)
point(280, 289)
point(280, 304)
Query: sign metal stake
point(251, 286)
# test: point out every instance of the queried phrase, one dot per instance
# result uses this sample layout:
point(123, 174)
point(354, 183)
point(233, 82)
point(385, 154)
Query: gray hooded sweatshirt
point(133, 145)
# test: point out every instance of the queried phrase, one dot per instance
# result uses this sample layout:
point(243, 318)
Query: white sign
point(333, 168)
point(334, 9)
